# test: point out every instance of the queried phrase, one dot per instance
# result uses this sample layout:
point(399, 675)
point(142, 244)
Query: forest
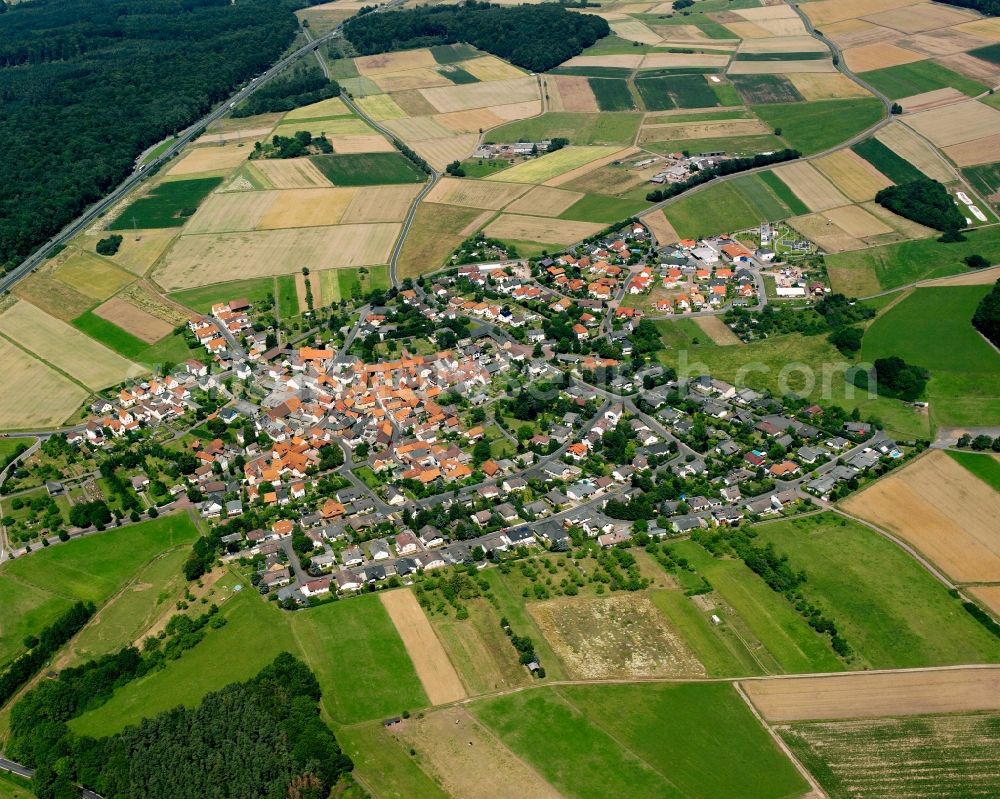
point(991, 8)
point(924, 201)
point(986, 319)
point(302, 84)
point(87, 85)
point(537, 37)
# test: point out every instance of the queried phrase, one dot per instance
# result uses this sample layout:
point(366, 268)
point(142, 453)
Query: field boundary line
point(817, 790)
point(52, 366)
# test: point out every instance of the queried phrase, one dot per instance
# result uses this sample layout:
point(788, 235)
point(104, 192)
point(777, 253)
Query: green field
point(876, 269)
point(923, 757)
point(288, 297)
point(359, 659)
point(458, 75)
point(643, 741)
point(343, 284)
point(577, 127)
point(676, 91)
point(983, 465)
point(932, 329)
point(906, 80)
point(110, 335)
point(14, 787)
point(202, 299)
point(612, 94)
point(990, 52)
point(821, 124)
point(739, 203)
point(168, 205)
point(760, 89)
point(368, 169)
point(599, 208)
point(735, 145)
point(594, 72)
point(986, 180)
point(452, 53)
point(8, 446)
point(172, 349)
point(379, 759)
point(892, 612)
point(893, 166)
point(783, 193)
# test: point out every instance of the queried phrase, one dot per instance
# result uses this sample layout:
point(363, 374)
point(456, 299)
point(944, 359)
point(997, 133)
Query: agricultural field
point(889, 163)
point(919, 77)
point(612, 94)
point(168, 204)
point(32, 394)
point(986, 180)
point(91, 275)
point(983, 465)
point(725, 207)
point(551, 165)
point(820, 125)
point(766, 89)
point(202, 299)
point(368, 170)
point(436, 231)
point(676, 91)
point(112, 336)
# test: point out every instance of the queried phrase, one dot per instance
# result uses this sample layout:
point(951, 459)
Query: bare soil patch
point(660, 227)
point(576, 93)
point(133, 320)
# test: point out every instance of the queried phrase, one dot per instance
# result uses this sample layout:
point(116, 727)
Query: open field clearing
point(821, 125)
point(91, 275)
point(575, 93)
point(64, 347)
point(544, 201)
point(984, 465)
point(475, 194)
point(290, 173)
point(430, 661)
point(295, 208)
point(212, 158)
point(331, 107)
point(140, 249)
point(27, 610)
point(977, 151)
point(906, 144)
point(811, 186)
point(436, 231)
point(822, 231)
point(370, 143)
point(168, 204)
point(201, 260)
point(949, 515)
point(463, 756)
point(810, 66)
point(133, 320)
point(550, 165)
point(535, 228)
point(888, 608)
point(481, 95)
point(957, 123)
point(33, 395)
point(703, 130)
point(55, 298)
point(724, 207)
point(232, 211)
point(642, 741)
point(717, 330)
point(854, 176)
point(618, 636)
point(380, 204)
point(380, 107)
point(380, 759)
point(861, 695)
point(608, 210)
point(581, 128)
point(401, 61)
point(660, 227)
point(373, 169)
point(826, 11)
point(942, 757)
point(819, 86)
point(856, 221)
point(414, 129)
point(441, 152)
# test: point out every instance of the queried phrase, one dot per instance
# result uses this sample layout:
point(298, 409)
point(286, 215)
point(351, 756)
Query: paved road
point(27, 773)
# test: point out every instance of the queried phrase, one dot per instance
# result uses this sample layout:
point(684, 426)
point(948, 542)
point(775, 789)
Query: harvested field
point(819, 86)
point(826, 11)
point(784, 44)
point(810, 186)
point(920, 17)
point(306, 208)
point(469, 121)
point(633, 30)
point(986, 28)
point(463, 755)
point(290, 173)
point(213, 158)
point(215, 258)
point(944, 42)
point(856, 221)
point(143, 298)
point(343, 126)
point(660, 227)
point(55, 298)
point(665, 60)
point(905, 693)
point(943, 511)
point(909, 230)
point(437, 675)
point(371, 65)
point(988, 595)
point(481, 95)
point(240, 134)
point(746, 30)
point(380, 204)
point(436, 231)
point(490, 68)
point(878, 56)
point(612, 180)
point(380, 107)
point(857, 32)
point(140, 249)
point(133, 320)
point(575, 93)
point(92, 275)
point(717, 330)
point(475, 194)
point(852, 174)
point(414, 103)
point(925, 101)
point(830, 237)
point(957, 123)
point(222, 213)
point(408, 81)
point(619, 636)
point(372, 143)
point(544, 201)
point(723, 128)
point(476, 223)
point(902, 141)
point(536, 228)
point(614, 61)
point(550, 165)
point(441, 152)
point(331, 107)
point(65, 347)
point(414, 129)
point(586, 169)
point(817, 65)
point(972, 67)
point(510, 112)
point(977, 151)
point(31, 394)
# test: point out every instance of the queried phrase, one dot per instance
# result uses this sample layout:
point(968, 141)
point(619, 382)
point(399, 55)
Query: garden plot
point(215, 258)
point(811, 186)
point(32, 395)
point(289, 173)
point(475, 194)
point(544, 201)
point(481, 95)
point(133, 320)
point(65, 347)
point(878, 56)
point(518, 227)
point(619, 636)
point(852, 174)
point(943, 511)
point(213, 158)
point(826, 86)
point(907, 145)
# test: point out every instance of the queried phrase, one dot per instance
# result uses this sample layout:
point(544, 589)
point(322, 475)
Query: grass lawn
point(983, 465)
point(906, 80)
point(821, 124)
point(893, 166)
point(612, 94)
point(288, 297)
point(931, 328)
point(599, 208)
point(110, 335)
point(892, 612)
point(14, 787)
point(255, 633)
point(579, 128)
point(26, 610)
point(895, 265)
point(167, 205)
point(379, 759)
point(368, 169)
point(203, 298)
point(359, 659)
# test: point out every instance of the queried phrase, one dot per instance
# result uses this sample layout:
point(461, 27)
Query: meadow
point(550, 165)
point(368, 169)
point(676, 91)
point(167, 205)
point(612, 94)
point(203, 298)
point(820, 125)
point(891, 611)
point(964, 388)
point(726, 207)
point(983, 465)
point(380, 759)
point(579, 128)
point(111, 336)
point(905, 80)
point(599, 208)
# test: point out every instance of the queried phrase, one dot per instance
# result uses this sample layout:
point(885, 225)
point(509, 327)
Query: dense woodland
point(86, 85)
point(537, 37)
point(990, 8)
point(300, 85)
point(924, 201)
point(987, 316)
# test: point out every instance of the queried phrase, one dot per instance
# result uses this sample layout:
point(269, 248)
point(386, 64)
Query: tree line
point(926, 202)
point(986, 319)
point(87, 85)
point(728, 167)
point(990, 8)
point(302, 84)
point(537, 37)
